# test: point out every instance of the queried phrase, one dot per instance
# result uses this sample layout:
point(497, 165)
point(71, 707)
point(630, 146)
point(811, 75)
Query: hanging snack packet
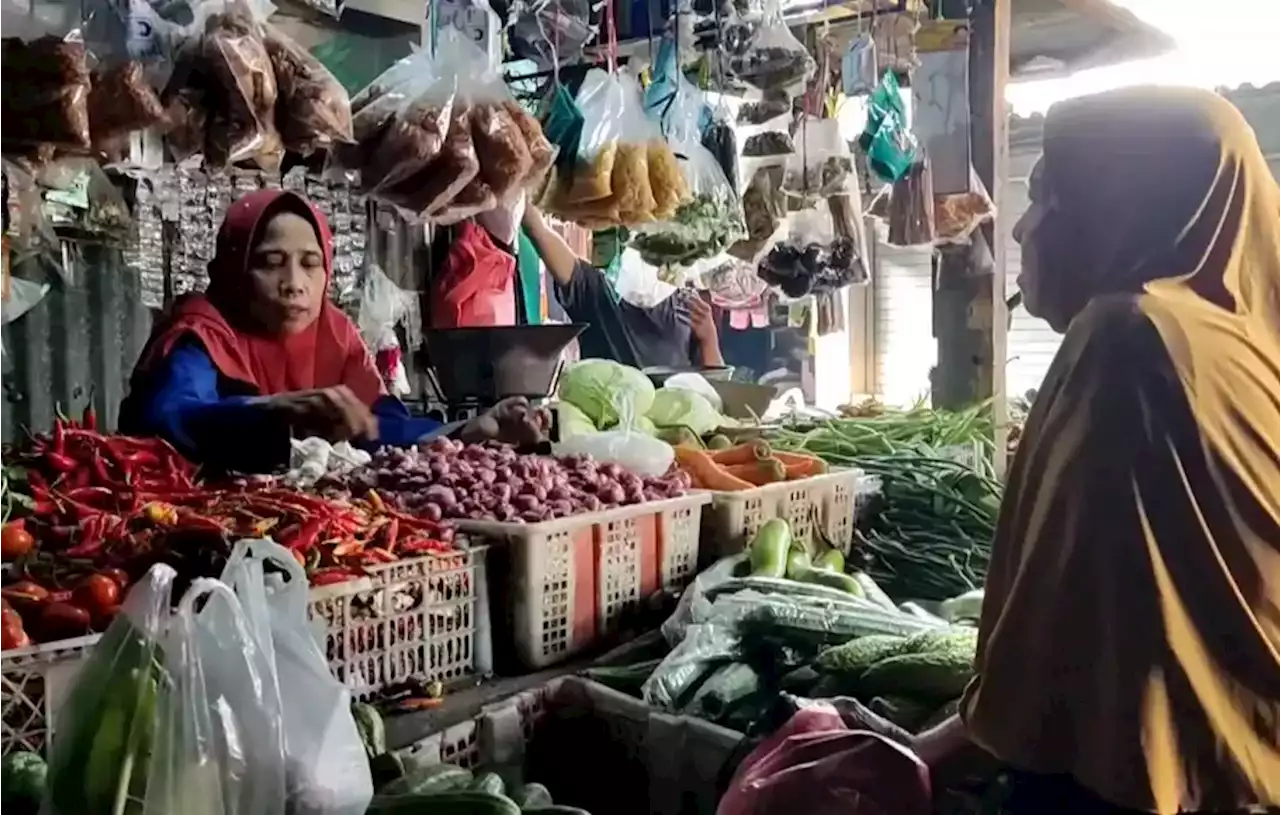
point(313, 111)
point(911, 207)
point(45, 95)
point(773, 59)
point(121, 101)
point(821, 164)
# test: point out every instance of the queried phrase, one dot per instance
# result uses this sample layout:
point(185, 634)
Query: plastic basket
point(593, 748)
point(34, 682)
point(566, 582)
point(427, 617)
point(834, 500)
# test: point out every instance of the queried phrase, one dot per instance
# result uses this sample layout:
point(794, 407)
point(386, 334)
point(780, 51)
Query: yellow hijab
point(1131, 632)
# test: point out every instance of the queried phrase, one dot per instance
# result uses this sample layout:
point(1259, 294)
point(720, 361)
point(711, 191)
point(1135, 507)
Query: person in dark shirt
point(679, 332)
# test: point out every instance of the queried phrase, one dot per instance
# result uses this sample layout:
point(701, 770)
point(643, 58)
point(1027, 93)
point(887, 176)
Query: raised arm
point(559, 259)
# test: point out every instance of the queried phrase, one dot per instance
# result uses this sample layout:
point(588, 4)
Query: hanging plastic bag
point(544, 29)
point(313, 110)
point(107, 725)
point(764, 211)
point(219, 745)
point(45, 97)
point(858, 67)
point(849, 228)
point(822, 161)
point(773, 59)
point(956, 216)
point(887, 139)
point(327, 770)
point(911, 208)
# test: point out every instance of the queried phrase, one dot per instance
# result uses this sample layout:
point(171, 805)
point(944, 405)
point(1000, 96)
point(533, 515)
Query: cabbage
point(573, 422)
point(645, 425)
point(605, 391)
point(677, 407)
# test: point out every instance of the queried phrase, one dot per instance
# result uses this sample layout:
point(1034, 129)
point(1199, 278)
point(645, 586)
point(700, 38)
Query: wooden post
point(970, 319)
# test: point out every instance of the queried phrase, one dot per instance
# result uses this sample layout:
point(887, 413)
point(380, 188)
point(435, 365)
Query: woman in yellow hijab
point(1129, 652)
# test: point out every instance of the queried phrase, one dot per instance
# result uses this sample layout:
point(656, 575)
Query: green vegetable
point(572, 421)
point(856, 656)
point(702, 227)
point(769, 549)
point(917, 610)
point(799, 681)
point(678, 407)
point(679, 435)
point(797, 560)
point(428, 780)
point(958, 640)
point(719, 442)
point(932, 537)
point(23, 775)
point(782, 587)
point(454, 802)
point(872, 591)
point(832, 560)
point(935, 676)
point(823, 577)
point(606, 391)
point(728, 685)
point(371, 728)
point(821, 624)
point(967, 606)
point(626, 679)
point(532, 796)
point(642, 424)
point(905, 712)
point(489, 782)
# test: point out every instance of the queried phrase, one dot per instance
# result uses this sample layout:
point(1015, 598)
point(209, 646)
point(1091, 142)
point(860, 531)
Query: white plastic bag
point(219, 744)
point(626, 446)
point(822, 162)
point(773, 59)
point(326, 768)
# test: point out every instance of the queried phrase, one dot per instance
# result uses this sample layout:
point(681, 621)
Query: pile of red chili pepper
point(104, 509)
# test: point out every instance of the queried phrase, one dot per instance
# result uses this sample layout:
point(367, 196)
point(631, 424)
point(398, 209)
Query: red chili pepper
point(424, 546)
point(91, 538)
point(89, 419)
point(59, 437)
point(87, 495)
point(327, 577)
point(60, 462)
point(393, 534)
point(379, 556)
point(192, 520)
point(307, 535)
point(36, 481)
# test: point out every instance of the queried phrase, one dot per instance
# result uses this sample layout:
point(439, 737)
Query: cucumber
point(857, 655)
point(835, 580)
point(920, 612)
point(797, 560)
point(488, 782)
point(824, 625)
point(769, 548)
point(457, 802)
point(371, 728)
point(624, 678)
point(719, 442)
point(385, 768)
point(936, 676)
point(872, 591)
point(832, 560)
point(799, 681)
point(531, 796)
point(430, 780)
point(722, 689)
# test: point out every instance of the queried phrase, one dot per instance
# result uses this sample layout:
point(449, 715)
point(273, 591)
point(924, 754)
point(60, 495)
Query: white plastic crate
point(569, 580)
point(832, 500)
point(35, 681)
point(640, 760)
point(425, 617)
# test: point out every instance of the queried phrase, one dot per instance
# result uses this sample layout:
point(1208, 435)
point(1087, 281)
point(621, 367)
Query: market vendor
point(229, 376)
point(679, 332)
point(1129, 647)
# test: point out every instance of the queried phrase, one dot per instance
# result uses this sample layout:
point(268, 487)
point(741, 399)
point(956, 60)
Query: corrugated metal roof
point(82, 338)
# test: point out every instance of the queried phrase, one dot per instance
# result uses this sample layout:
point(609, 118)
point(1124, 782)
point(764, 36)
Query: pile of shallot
point(491, 482)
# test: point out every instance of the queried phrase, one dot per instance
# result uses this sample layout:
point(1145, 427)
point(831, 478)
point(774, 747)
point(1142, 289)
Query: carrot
point(706, 473)
point(801, 466)
point(744, 453)
point(759, 473)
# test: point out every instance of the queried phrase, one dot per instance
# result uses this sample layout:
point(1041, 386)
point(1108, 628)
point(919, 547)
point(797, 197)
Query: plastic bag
point(313, 111)
point(121, 101)
point(626, 445)
point(775, 104)
point(399, 125)
point(544, 29)
point(812, 258)
point(773, 59)
point(815, 764)
point(219, 746)
point(955, 216)
point(764, 212)
point(887, 139)
point(45, 95)
point(858, 68)
point(108, 723)
point(822, 161)
point(911, 208)
point(327, 770)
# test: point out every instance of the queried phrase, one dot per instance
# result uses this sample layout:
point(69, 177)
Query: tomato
point(97, 592)
point(60, 621)
point(25, 594)
point(60, 596)
point(12, 634)
point(15, 541)
point(120, 576)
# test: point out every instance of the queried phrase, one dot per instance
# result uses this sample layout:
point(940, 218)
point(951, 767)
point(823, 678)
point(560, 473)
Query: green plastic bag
point(562, 124)
point(887, 139)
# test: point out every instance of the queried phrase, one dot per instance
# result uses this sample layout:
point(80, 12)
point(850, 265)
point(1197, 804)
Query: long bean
point(932, 537)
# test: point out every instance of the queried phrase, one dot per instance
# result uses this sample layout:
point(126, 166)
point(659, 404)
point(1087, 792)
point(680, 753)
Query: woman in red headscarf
point(231, 375)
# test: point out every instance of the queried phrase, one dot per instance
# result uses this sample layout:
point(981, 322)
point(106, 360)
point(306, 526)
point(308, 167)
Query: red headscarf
point(327, 353)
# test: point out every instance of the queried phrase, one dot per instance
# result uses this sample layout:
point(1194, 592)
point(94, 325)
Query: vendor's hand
point(334, 414)
point(512, 421)
point(697, 312)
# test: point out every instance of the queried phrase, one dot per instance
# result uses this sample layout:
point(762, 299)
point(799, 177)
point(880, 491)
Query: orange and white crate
point(569, 580)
